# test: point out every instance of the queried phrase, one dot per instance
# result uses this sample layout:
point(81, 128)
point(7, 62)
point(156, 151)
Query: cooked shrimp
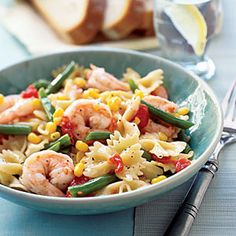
point(86, 115)
point(104, 81)
point(23, 107)
point(161, 103)
point(47, 173)
point(152, 127)
point(161, 92)
point(9, 101)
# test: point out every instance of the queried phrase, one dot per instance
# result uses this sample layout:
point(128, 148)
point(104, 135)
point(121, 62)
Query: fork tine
point(226, 101)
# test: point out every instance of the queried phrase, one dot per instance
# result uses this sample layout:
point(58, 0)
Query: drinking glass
point(185, 29)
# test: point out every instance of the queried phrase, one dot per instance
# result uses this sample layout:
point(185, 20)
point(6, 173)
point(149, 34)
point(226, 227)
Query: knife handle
point(185, 216)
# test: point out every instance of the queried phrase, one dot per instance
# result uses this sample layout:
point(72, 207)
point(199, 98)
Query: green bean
point(168, 118)
point(64, 142)
point(47, 106)
point(146, 155)
point(92, 185)
point(98, 135)
point(42, 83)
point(182, 136)
point(15, 129)
point(187, 149)
point(133, 86)
point(56, 84)
point(56, 147)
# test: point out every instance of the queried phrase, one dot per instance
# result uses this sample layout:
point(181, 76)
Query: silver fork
point(184, 218)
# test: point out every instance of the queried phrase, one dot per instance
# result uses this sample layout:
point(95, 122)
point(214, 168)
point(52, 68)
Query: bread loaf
point(76, 21)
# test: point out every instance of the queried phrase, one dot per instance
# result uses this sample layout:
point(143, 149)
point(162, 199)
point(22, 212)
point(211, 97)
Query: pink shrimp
point(47, 173)
point(161, 92)
point(86, 115)
point(104, 81)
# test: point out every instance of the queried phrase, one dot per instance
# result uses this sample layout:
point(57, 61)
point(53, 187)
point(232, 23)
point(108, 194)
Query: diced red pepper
point(30, 92)
point(182, 163)
point(68, 128)
point(143, 115)
point(113, 125)
point(117, 162)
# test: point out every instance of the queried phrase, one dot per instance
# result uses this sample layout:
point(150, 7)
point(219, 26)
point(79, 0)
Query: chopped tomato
point(79, 180)
point(67, 128)
point(143, 115)
point(182, 163)
point(30, 92)
point(117, 161)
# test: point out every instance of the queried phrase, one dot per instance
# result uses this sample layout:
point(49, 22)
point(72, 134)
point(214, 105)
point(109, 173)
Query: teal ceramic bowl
point(183, 87)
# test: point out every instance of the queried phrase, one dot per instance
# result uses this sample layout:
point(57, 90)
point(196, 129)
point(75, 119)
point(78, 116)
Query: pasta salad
point(86, 133)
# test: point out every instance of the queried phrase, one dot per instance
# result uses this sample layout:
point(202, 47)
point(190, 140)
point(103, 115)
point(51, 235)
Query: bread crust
point(84, 31)
point(129, 22)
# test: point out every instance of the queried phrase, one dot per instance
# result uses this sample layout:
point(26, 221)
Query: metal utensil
point(184, 218)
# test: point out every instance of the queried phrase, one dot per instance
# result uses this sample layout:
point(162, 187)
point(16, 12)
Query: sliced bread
point(77, 21)
point(122, 17)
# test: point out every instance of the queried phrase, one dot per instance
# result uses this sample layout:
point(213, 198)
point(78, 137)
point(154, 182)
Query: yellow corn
point(79, 168)
point(1, 99)
point(51, 127)
point(80, 82)
point(81, 146)
point(183, 111)
point(33, 138)
point(162, 136)
point(114, 103)
point(37, 105)
point(55, 136)
point(79, 156)
point(57, 121)
point(91, 93)
point(136, 120)
point(58, 113)
point(158, 179)
point(139, 93)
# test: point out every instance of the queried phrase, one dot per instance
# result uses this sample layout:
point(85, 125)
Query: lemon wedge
point(191, 24)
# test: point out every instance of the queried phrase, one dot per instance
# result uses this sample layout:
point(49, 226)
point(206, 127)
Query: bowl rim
point(170, 182)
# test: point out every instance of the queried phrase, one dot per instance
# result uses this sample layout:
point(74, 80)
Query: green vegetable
point(56, 147)
point(47, 106)
point(168, 118)
point(98, 135)
point(91, 186)
point(65, 150)
point(64, 142)
point(187, 149)
point(15, 129)
point(133, 86)
point(147, 155)
point(56, 84)
point(183, 136)
point(42, 83)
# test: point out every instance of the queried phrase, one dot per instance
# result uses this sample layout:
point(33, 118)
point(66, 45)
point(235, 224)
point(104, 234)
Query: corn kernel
point(114, 103)
point(1, 99)
point(183, 111)
point(58, 113)
point(81, 146)
point(162, 136)
point(91, 93)
point(79, 168)
point(37, 105)
point(51, 127)
point(55, 136)
point(79, 156)
point(57, 121)
point(80, 82)
point(136, 120)
point(33, 138)
point(139, 93)
point(158, 179)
